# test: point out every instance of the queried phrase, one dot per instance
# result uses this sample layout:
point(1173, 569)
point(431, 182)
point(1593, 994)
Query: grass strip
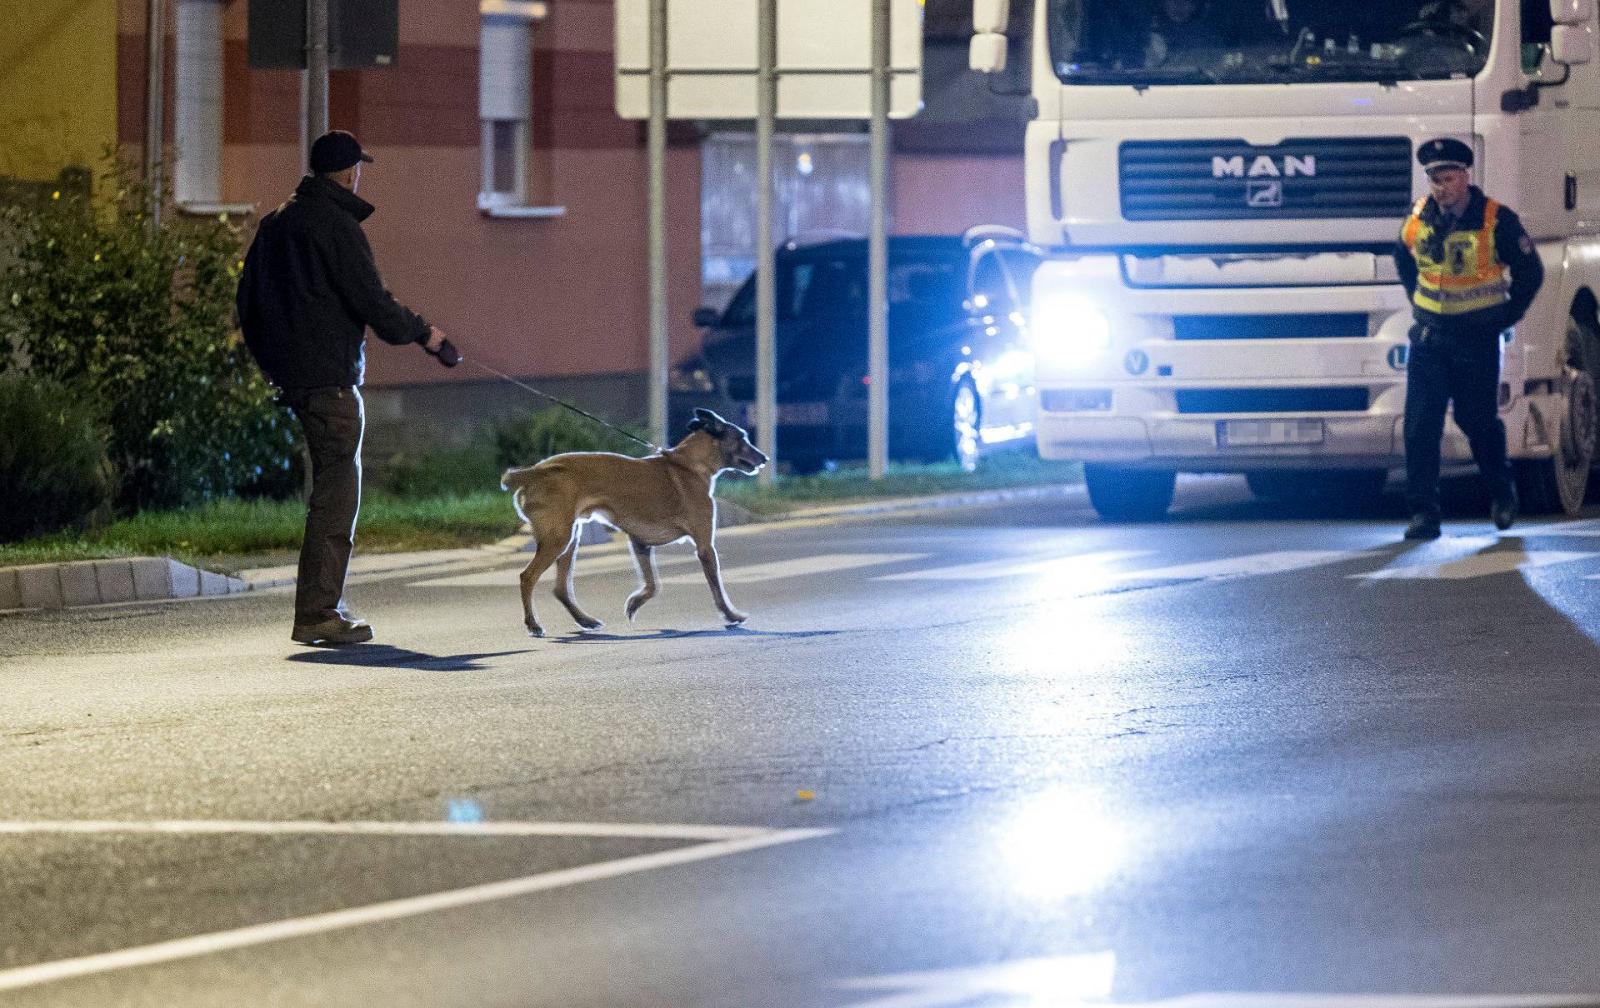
point(229, 534)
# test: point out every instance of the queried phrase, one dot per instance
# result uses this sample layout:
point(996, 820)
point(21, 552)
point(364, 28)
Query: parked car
point(960, 370)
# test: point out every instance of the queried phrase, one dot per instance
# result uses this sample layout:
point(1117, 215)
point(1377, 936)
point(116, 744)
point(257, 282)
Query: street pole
point(314, 83)
point(657, 378)
point(766, 295)
point(154, 99)
point(878, 252)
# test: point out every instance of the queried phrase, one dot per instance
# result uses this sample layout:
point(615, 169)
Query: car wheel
point(966, 420)
point(1129, 494)
point(1557, 485)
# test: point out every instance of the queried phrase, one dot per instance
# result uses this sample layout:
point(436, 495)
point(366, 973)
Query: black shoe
point(332, 632)
point(1423, 526)
point(1504, 509)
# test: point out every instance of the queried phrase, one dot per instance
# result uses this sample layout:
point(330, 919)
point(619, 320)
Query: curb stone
point(149, 579)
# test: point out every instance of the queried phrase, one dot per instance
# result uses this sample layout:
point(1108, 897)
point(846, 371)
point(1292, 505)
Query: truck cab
point(1219, 185)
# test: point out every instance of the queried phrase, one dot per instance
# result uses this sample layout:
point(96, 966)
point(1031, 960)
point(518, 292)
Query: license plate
point(1255, 433)
point(802, 414)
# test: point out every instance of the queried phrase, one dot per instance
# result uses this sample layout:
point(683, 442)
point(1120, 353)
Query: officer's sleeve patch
point(1525, 244)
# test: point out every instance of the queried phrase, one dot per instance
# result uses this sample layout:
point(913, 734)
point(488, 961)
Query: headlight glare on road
point(1069, 329)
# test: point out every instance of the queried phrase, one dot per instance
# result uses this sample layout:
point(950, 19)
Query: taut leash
point(559, 402)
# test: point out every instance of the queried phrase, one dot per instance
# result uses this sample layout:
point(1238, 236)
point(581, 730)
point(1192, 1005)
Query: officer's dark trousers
point(333, 420)
point(1460, 367)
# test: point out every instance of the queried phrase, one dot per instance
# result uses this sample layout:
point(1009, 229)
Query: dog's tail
point(513, 477)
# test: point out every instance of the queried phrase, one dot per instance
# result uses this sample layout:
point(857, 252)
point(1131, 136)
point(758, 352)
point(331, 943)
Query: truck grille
point(1272, 400)
point(1232, 180)
point(1331, 325)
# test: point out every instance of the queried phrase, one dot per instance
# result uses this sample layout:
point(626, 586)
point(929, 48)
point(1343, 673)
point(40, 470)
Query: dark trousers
point(333, 420)
point(1460, 367)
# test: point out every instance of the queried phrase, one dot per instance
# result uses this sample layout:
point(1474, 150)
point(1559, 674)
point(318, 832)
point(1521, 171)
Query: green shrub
point(441, 472)
point(140, 320)
point(556, 430)
point(53, 467)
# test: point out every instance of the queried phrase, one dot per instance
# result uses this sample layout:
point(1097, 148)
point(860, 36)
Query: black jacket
point(1515, 251)
point(310, 287)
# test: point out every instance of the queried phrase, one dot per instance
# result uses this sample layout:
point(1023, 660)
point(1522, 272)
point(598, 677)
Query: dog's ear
point(708, 421)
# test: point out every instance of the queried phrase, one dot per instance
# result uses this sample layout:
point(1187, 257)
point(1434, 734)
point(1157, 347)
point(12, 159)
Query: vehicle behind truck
point(1219, 196)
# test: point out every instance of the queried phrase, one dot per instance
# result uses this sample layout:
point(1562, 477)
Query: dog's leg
point(552, 542)
point(706, 549)
point(564, 587)
point(644, 561)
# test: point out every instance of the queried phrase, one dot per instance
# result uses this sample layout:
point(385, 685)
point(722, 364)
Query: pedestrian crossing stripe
point(1011, 567)
point(1250, 565)
point(826, 563)
point(1451, 559)
point(1475, 566)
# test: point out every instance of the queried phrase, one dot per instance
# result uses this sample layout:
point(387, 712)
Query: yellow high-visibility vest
point(1470, 277)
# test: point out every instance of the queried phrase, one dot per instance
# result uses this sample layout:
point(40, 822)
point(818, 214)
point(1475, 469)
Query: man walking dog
point(1453, 255)
point(309, 290)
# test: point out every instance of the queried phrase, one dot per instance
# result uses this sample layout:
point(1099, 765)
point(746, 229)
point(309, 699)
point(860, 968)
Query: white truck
point(1219, 185)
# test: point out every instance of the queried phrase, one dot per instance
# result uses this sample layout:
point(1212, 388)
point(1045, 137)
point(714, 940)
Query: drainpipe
point(155, 36)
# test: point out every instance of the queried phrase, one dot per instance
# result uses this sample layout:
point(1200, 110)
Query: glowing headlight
point(1069, 328)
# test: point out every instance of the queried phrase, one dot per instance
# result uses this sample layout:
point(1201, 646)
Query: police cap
point(1445, 152)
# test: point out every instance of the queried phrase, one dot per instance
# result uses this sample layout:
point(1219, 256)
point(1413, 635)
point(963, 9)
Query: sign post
point(791, 59)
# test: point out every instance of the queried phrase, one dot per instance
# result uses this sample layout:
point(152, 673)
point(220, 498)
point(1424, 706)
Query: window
point(197, 110)
point(505, 85)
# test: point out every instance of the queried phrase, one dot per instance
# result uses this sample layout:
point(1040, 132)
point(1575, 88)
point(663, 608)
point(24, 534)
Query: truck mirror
point(989, 16)
point(1571, 12)
point(987, 54)
point(1572, 44)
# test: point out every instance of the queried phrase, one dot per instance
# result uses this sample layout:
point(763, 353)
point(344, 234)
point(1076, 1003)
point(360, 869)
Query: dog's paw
point(735, 618)
point(634, 603)
point(535, 630)
point(590, 623)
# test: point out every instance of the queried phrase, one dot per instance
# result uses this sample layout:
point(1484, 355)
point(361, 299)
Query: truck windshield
point(1152, 42)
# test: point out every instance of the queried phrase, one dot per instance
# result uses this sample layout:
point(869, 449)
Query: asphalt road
point(992, 756)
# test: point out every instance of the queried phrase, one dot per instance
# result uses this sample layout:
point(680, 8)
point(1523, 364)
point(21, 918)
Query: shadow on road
point(591, 637)
point(389, 656)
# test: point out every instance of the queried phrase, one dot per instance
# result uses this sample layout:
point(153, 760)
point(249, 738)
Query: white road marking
point(1475, 566)
point(300, 927)
point(634, 831)
point(826, 563)
point(1084, 981)
point(1016, 567)
point(1249, 565)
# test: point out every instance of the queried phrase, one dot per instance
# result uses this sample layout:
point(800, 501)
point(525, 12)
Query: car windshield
point(1152, 42)
point(836, 287)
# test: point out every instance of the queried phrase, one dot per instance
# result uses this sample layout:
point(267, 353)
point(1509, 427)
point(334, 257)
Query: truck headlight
point(1068, 329)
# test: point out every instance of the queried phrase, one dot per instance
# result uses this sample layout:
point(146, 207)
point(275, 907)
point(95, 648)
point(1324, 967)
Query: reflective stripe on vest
point(1469, 278)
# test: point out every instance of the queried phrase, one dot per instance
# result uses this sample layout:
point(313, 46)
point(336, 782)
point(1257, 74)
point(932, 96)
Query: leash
point(559, 402)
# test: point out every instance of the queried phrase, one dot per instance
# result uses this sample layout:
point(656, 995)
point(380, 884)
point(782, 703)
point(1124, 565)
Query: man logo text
point(1263, 166)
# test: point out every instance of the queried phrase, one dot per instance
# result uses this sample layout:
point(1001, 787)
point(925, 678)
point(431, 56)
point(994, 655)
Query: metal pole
point(878, 251)
point(154, 99)
point(314, 85)
point(766, 294)
point(657, 378)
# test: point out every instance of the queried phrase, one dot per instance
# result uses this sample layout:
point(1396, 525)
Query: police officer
point(1453, 255)
point(309, 291)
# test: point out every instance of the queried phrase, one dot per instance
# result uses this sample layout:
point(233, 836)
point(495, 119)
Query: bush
point(441, 472)
point(556, 430)
point(140, 320)
point(53, 467)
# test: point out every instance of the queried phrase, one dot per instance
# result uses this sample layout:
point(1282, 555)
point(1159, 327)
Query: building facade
point(511, 198)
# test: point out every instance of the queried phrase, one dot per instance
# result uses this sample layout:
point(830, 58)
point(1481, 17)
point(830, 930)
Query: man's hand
point(441, 347)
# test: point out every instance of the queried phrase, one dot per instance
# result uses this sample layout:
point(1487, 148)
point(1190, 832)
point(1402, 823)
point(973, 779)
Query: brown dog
point(653, 501)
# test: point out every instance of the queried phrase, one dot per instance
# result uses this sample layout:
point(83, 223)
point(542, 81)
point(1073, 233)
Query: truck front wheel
point(1557, 485)
point(1129, 494)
